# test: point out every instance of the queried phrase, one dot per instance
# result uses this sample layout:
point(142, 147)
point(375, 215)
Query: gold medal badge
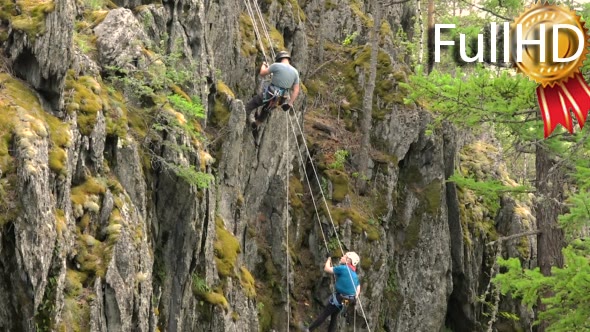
point(556, 65)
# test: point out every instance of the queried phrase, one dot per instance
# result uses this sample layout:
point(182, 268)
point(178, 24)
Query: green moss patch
point(221, 112)
point(226, 248)
point(355, 7)
point(92, 186)
point(75, 281)
point(360, 223)
point(85, 97)
point(14, 94)
point(216, 299)
point(92, 256)
point(295, 193)
point(202, 291)
point(27, 16)
point(60, 222)
point(247, 35)
point(339, 181)
point(116, 114)
point(412, 231)
point(247, 282)
point(76, 314)
point(57, 161)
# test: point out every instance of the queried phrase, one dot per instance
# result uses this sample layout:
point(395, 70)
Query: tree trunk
point(548, 206)
point(321, 33)
point(420, 32)
point(430, 22)
point(368, 97)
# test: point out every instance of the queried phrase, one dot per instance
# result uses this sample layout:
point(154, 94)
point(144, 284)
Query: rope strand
point(309, 186)
point(331, 221)
point(255, 26)
point(263, 24)
point(287, 223)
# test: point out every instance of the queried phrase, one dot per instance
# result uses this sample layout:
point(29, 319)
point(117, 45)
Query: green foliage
point(578, 217)
point(339, 159)
point(350, 39)
point(156, 87)
point(200, 285)
point(334, 246)
point(490, 190)
point(93, 4)
point(324, 185)
point(566, 292)
point(190, 174)
point(193, 107)
point(44, 316)
point(469, 99)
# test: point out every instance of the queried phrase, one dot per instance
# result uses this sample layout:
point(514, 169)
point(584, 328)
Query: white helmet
point(354, 258)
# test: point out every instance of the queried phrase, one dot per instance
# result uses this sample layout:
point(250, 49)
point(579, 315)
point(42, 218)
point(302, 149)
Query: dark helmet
point(281, 55)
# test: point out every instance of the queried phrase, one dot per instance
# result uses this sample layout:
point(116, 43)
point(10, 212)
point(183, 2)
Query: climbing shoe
point(252, 118)
point(286, 107)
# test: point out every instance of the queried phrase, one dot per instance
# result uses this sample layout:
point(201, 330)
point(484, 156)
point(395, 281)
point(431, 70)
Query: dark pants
point(330, 310)
point(256, 102)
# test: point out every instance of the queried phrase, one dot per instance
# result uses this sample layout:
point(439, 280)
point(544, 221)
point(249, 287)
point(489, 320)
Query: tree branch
point(319, 67)
point(487, 11)
point(514, 236)
point(383, 3)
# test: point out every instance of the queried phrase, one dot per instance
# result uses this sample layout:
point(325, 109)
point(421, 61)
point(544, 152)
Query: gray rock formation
point(41, 51)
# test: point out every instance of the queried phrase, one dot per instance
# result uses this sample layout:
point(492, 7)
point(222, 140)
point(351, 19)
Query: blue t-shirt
point(343, 284)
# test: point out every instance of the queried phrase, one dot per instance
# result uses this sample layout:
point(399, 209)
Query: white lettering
point(506, 42)
point(520, 42)
point(580, 35)
point(493, 42)
point(478, 56)
point(438, 42)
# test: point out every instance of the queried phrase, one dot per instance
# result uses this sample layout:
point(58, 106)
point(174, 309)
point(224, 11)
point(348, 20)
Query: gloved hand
point(286, 107)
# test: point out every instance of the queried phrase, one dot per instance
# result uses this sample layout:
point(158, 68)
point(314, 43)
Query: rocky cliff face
point(124, 208)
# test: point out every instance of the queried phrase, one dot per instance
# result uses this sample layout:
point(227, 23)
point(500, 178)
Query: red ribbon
point(557, 101)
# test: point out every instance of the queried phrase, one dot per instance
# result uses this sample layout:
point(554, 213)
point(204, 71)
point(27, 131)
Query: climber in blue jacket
point(347, 288)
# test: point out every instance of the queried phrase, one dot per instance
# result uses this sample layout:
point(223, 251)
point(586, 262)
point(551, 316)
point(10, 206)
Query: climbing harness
point(273, 96)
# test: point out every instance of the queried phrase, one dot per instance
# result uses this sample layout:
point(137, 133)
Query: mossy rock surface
point(226, 248)
point(340, 183)
point(87, 96)
point(360, 223)
point(248, 283)
point(27, 16)
point(18, 99)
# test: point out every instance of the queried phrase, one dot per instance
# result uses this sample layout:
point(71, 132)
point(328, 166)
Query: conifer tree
point(484, 98)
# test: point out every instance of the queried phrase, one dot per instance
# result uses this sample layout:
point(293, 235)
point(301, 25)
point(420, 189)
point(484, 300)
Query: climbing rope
point(287, 163)
point(254, 10)
point(309, 185)
point(264, 29)
point(255, 26)
point(328, 212)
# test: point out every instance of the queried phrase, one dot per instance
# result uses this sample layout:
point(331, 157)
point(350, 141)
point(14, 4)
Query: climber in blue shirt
point(347, 288)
